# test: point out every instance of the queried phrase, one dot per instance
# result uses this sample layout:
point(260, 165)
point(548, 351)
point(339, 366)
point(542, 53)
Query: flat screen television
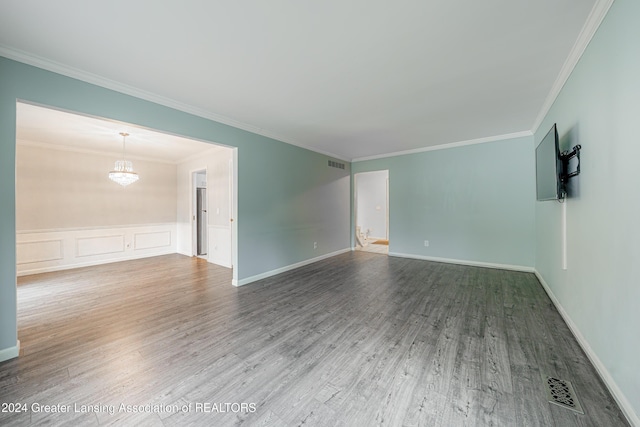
point(549, 167)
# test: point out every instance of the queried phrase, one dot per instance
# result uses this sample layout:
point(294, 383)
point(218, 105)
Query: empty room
point(321, 214)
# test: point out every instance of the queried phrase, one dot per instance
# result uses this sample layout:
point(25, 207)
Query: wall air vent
point(336, 164)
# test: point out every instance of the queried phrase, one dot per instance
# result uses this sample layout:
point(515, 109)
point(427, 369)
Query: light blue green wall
point(599, 108)
point(288, 197)
point(473, 203)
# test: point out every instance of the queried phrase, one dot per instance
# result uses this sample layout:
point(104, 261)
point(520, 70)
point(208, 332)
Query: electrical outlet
point(315, 245)
point(426, 243)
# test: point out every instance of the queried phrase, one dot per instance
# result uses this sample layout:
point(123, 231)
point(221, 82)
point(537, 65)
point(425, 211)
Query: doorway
point(105, 222)
point(200, 218)
point(70, 217)
point(372, 211)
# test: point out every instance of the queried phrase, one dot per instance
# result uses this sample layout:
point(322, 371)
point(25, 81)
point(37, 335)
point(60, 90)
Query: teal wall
point(473, 203)
point(287, 196)
point(599, 108)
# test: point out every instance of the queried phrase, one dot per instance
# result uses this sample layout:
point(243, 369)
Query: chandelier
point(122, 172)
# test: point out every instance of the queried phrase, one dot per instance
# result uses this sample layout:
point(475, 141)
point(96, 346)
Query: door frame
point(355, 204)
point(194, 214)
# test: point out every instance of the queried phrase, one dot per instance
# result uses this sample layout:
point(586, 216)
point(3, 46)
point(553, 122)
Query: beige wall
point(59, 189)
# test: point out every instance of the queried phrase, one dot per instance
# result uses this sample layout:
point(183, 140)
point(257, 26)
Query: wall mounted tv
point(549, 167)
point(552, 167)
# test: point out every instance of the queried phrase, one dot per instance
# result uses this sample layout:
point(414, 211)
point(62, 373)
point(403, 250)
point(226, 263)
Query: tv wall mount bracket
point(565, 157)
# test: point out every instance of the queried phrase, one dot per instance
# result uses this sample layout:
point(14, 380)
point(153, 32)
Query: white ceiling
point(63, 130)
point(353, 78)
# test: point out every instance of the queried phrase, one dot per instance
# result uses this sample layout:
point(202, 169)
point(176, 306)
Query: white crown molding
point(199, 156)
point(117, 154)
point(125, 125)
point(589, 29)
point(65, 70)
point(595, 18)
point(447, 146)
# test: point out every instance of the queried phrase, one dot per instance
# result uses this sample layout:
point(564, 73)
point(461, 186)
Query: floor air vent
point(561, 393)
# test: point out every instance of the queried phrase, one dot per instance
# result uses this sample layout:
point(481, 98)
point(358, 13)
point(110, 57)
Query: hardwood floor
point(355, 340)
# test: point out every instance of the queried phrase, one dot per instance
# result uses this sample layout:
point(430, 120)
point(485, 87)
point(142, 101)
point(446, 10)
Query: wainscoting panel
point(89, 246)
point(220, 246)
point(39, 251)
point(184, 238)
point(151, 240)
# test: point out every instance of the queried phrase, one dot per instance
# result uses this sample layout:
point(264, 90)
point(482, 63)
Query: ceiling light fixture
point(123, 172)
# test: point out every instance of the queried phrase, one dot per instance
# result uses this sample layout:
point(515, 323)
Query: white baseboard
point(225, 265)
point(10, 353)
point(465, 262)
point(40, 251)
point(257, 277)
point(606, 377)
point(209, 260)
point(90, 263)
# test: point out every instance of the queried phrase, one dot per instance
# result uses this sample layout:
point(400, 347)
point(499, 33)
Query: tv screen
point(549, 167)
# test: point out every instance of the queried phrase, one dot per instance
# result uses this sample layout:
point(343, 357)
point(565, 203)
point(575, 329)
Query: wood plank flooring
point(359, 339)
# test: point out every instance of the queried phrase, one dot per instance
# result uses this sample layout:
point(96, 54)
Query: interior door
point(201, 207)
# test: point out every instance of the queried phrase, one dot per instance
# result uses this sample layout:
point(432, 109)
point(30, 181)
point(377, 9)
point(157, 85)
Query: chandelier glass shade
point(122, 172)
